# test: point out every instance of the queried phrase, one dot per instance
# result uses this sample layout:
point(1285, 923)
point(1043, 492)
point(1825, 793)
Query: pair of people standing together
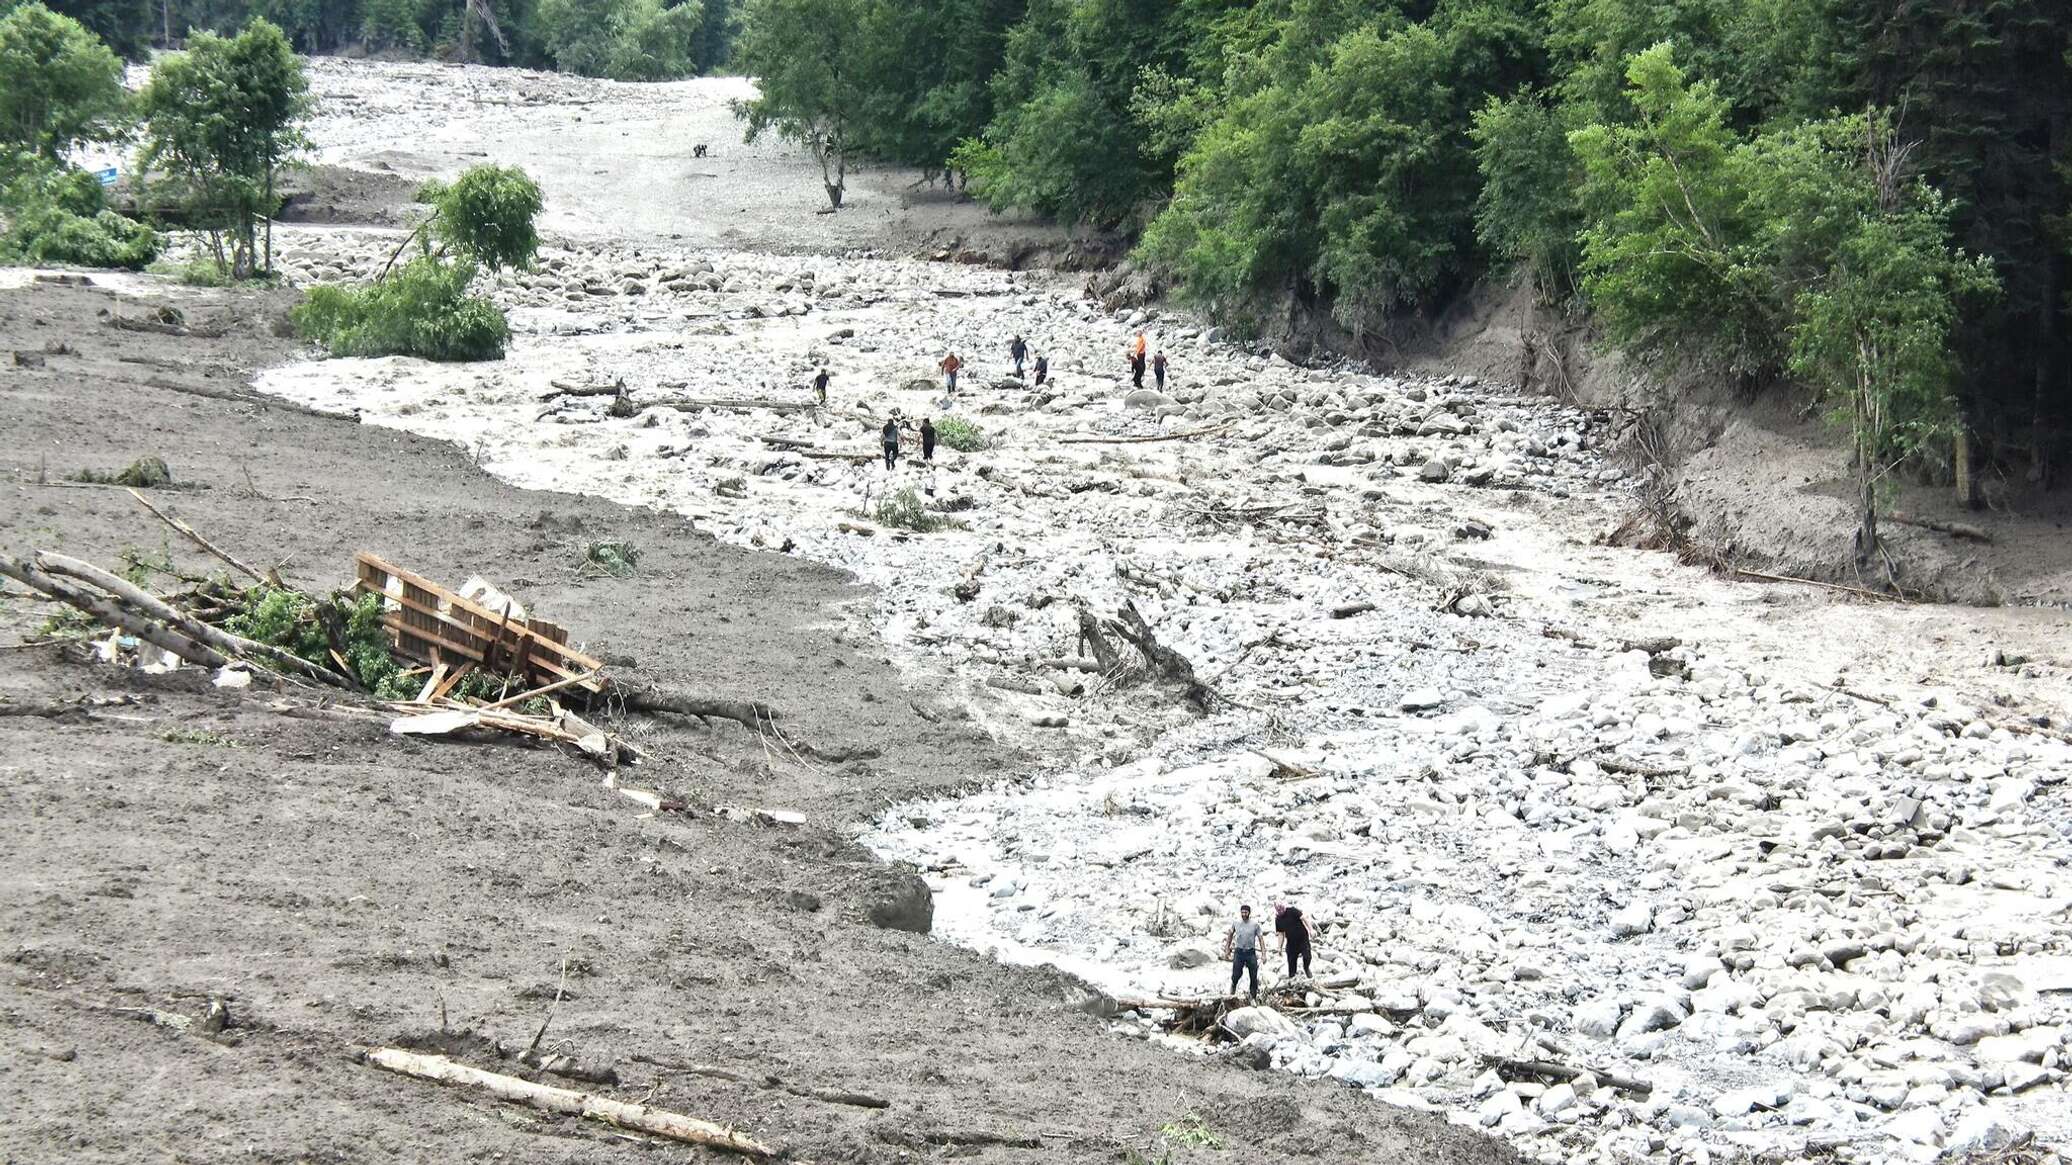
point(1242, 941)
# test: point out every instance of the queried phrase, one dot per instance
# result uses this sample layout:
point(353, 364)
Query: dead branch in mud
point(830, 1095)
point(1962, 530)
point(106, 612)
point(1860, 592)
point(269, 579)
point(672, 1126)
point(650, 698)
point(237, 396)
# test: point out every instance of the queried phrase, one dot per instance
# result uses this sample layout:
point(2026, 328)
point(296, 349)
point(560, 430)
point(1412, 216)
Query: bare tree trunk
point(1961, 466)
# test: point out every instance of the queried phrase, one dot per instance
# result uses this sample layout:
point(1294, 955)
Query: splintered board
point(434, 625)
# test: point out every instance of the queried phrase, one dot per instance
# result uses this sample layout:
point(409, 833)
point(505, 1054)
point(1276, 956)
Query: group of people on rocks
point(1241, 943)
point(1019, 351)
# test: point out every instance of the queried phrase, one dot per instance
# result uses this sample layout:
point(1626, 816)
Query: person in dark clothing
point(1042, 370)
point(1019, 349)
point(1137, 370)
point(820, 386)
point(927, 438)
point(1158, 367)
point(1241, 947)
point(1294, 932)
point(891, 436)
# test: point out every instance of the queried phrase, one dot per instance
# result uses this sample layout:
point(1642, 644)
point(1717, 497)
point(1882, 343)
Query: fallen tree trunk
point(830, 1095)
point(1203, 432)
point(1511, 1069)
point(1963, 530)
point(109, 614)
point(156, 608)
point(657, 1122)
point(647, 698)
point(1133, 627)
point(733, 405)
point(563, 388)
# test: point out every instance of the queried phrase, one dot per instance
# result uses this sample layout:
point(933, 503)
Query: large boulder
point(1264, 1021)
point(899, 899)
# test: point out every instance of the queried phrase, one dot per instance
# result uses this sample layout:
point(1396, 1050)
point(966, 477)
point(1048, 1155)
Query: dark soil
point(334, 195)
point(342, 887)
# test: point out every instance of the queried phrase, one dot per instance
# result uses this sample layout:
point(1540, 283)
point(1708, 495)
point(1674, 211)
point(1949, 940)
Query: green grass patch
point(961, 435)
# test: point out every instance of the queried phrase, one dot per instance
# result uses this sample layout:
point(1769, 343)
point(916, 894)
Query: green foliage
point(57, 215)
point(393, 24)
point(423, 309)
point(617, 559)
point(281, 618)
point(125, 26)
point(486, 216)
point(633, 40)
point(961, 435)
point(1193, 1132)
point(59, 85)
point(290, 620)
point(143, 473)
point(1526, 212)
point(220, 123)
point(811, 60)
point(903, 508)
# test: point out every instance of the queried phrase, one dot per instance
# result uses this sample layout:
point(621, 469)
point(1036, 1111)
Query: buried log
point(153, 607)
point(1962, 530)
point(649, 698)
point(829, 1095)
point(672, 1126)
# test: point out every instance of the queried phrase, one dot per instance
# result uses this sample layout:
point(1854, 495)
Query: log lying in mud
point(657, 1122)
point(829, 1095)
point(109, 614)
point(732, 405)
point(1962, 530)
point(648, 698)
point(1521, 1069)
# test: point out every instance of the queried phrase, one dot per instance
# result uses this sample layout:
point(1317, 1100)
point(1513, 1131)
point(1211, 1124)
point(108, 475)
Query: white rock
point(1633, 920)
point(1248, 1021)
point(1421, 700)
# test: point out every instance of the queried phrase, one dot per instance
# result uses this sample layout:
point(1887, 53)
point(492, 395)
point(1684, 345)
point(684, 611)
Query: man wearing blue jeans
point(1241, 947)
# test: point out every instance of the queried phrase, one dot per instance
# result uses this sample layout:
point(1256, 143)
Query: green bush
point(423, 309)
point(486, 215)
point(961, 435)
point(59, 85)
point(56, 215)
point(904, 508)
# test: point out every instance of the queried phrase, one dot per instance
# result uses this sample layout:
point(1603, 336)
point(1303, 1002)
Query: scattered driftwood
point(1522, 1069)
point(270, 578)
point(563, 388)
point(830, 1095)
point(638, 1117)
point(156, 608)
point(1206, 431)
point(1963, 530)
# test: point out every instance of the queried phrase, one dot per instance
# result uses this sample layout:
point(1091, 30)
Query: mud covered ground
point(340, 887)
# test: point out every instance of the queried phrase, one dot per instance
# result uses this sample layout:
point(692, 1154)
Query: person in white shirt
point(1241, 947)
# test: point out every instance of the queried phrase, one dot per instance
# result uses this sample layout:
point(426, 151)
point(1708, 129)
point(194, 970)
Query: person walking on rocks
point(1158, 367)
point(1042, 370)
point(1137, 362)
point(1019, 349)
point(820, 387)
point(928, 439)
point(950, 365)
point(891, 438)
point(1241, 947)
point(1294, 932)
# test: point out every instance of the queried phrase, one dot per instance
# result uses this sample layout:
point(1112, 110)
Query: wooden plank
point(432, 636)
point(458, 604)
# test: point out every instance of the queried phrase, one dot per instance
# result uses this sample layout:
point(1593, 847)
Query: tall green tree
point(127, 27)
point(59, 85)
point(811, 60)
point(221, 120)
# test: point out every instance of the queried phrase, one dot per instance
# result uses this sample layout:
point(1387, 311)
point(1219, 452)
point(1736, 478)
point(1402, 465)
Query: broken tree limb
point(1091, 638)
point(563, 388)
point(1512, 1069)
point(1961, 530)
point(255, 399)
point(1202, 432)
point(556, 686)
point(110, 614)
point(733, 405)
point(654, 1121)
point(830, 1095)
point(156, 608)
point(1133, 627)
point(272, 580)
point(1813, 582)
point(647, 698)
point(1350, 609)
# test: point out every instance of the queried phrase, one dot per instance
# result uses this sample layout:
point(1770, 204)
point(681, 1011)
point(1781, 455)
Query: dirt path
point(341, 887)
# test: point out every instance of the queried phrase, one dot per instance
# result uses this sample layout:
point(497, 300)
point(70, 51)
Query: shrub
point(904, 508)
point(486, 216)
point(961, 435)
point(143, 473)
point(424, 309)
point(56, 215)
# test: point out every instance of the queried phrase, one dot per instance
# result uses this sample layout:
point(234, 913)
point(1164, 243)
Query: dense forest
point(628, 40)
point(1867, 197)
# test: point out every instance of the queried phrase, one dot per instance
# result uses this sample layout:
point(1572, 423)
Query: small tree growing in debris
point(220, 124)
point(810, 61)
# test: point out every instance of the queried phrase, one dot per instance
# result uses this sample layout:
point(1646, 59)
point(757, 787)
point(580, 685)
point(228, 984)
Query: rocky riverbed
point(1540, 804)
point(1795, 862)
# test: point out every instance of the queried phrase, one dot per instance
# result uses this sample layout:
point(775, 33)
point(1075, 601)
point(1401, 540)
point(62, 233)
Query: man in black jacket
point(1294, 932)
